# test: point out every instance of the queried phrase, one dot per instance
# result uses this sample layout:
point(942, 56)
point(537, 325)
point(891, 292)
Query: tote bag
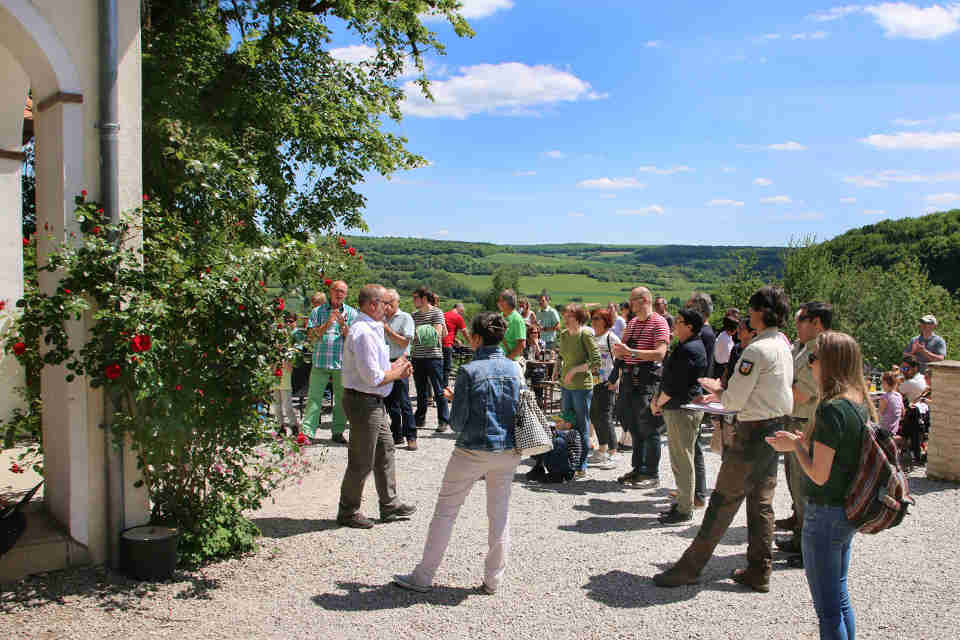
point(532, 431)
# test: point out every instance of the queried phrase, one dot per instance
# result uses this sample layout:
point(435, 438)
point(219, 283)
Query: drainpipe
point(110, 199)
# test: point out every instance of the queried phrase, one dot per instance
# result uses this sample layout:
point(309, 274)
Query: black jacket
point(680, 372)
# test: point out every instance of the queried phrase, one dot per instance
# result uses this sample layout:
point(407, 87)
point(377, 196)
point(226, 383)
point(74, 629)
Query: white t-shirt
point(722, 348)
point(604, 346)
point(912, 388)
point(618, 326)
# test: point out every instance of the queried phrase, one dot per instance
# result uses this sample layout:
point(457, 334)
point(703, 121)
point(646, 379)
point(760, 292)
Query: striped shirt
point(645, 335)
point(431, 316)
point(328, 352)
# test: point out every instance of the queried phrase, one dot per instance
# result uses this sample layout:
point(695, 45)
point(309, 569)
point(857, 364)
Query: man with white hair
point(927, 347)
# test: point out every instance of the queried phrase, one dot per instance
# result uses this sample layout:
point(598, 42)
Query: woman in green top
point(830, 464)
point(580, 358)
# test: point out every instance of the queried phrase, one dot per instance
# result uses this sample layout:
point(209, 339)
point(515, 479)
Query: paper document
point(714, 408)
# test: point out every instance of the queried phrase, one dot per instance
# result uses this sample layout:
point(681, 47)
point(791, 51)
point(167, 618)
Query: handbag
point(532, 433)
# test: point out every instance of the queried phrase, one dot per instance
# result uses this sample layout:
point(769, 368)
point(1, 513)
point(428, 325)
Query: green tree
point(258, 78)
point(504, 277)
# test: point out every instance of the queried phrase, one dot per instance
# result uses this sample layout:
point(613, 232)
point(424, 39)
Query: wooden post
point(943, 448)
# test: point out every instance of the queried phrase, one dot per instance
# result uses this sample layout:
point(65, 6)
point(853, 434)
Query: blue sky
point(685, 123)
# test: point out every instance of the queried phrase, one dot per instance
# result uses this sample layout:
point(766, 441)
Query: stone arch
point(39, 50)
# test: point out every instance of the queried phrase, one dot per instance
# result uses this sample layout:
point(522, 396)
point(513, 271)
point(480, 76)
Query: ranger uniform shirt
point(761, 385)
point(804, 383)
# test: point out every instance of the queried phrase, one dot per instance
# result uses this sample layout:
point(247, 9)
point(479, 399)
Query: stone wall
point(943, 448)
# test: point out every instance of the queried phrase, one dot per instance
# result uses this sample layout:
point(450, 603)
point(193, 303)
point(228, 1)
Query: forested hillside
point(933, 239)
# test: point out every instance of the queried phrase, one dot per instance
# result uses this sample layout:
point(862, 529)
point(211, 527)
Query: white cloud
point(555, 155)
point(720, 202)
point(883, 178)
point(473, 9)
point(943, 198)
point(770, 36)
point(442, 232)
point(923, 140)
point(836, 13)
point(779, 146)
point(653, 44)
point(511, 88)
point(902, 19)
point(729, 169)
point(812, 35)
point(654, 209)
point(762, 182)
point(576, 214)
point(874, 212)
point(611, 183)
point(847, 200)
point(903, 122)
point(521, 174)
point(776, 200)
point(359, 53)
point(802, 217)
point(665, 171)
point(608, 196)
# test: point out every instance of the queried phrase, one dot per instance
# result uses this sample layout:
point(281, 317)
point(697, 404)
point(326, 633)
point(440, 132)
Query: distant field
point(563, 287)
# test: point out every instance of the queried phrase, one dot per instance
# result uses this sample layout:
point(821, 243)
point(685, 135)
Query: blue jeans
point(402, 423)
point(430, 371)
point(579, 401)
point(826, 560)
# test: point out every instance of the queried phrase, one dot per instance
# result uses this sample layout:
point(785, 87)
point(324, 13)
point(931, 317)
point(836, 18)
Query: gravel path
point(581, 561)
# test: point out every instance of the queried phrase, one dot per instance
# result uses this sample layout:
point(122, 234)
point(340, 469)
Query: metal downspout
point(110, 198)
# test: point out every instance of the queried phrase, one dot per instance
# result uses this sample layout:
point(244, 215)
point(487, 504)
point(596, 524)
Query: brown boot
point(749, 579)
point(675, 576)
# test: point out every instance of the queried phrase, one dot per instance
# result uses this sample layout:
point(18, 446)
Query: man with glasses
point(814, 318)
point(328, 326)
point(643, 349)
point(368, 378)
point(398, 328)
point(914, 384)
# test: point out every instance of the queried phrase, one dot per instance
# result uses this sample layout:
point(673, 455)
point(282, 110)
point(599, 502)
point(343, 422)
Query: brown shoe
point(675, 577)
point(747, 579)
point(399, 512)
point(411, 445)
point(355, 521)
point(699, 503)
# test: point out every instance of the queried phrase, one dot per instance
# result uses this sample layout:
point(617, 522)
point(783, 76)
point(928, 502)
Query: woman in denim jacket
point(484, 411)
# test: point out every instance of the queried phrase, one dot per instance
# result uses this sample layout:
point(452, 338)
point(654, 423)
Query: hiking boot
point(629, 477)
point(399, 512)
point(675, 577)
point(786, 524)
point(537, 474)
point(355, 521)
point(790, 545)
point(747, 579)
point(675, 516)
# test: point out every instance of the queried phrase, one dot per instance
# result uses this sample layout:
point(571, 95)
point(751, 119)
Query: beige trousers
point(465, 467)
point(682, 429)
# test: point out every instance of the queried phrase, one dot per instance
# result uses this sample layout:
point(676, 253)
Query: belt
point(363, 393)
point(762, 423)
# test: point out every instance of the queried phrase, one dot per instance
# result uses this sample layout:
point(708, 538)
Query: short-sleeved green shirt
point(839, 425)
point(516, 330)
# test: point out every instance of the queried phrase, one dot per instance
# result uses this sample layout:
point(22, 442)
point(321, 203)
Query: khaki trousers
point(370, 449)
point(683, 428)
point(465, 467)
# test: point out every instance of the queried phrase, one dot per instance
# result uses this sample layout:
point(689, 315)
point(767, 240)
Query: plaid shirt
point(328, 352)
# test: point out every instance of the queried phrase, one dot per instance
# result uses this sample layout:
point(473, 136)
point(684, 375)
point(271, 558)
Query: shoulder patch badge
point(745, 367)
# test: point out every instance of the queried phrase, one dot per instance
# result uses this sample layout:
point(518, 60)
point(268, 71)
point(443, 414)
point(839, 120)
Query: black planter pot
point(149, 552)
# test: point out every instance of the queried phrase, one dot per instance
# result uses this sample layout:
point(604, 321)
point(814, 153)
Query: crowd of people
point(635, 365)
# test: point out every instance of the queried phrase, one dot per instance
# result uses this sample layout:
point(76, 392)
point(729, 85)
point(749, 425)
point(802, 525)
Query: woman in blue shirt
point(484, 412)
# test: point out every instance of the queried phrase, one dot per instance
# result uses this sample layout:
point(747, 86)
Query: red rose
point(281, 305)
point(352, 251)
point(146, 198)
point(236, 279)
point(179, 387)
point(19, 348)
point(3, 305)
point(26, 242)
point(96, 230)
point(360, 257)
point(15, 468)
point(46, 227)
point(242, 307)
point(134, 359)
point(140, 343)
point(99, 210)
point(113, 371)
point(302, 439)
point(328, 282)
point(200, 391)
point(208, 269)
point(278, 373)
point(262, 283)
point(343, 242)
point(84, 193)
point(67, 291)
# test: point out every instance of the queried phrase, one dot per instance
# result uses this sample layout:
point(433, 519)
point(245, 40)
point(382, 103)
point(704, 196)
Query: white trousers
point(465, 468)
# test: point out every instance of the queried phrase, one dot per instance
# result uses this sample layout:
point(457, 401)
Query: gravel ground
point(580, 567)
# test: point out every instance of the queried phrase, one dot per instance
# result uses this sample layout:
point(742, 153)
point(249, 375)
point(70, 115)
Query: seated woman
point(891, 406)
point(484, 412)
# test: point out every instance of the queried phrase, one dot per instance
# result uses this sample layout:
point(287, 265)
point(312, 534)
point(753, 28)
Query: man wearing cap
point(928, 346)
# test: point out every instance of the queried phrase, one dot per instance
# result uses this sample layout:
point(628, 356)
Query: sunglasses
point(811, 357)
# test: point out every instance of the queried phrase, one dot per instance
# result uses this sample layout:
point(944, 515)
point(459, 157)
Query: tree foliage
point(258, 77)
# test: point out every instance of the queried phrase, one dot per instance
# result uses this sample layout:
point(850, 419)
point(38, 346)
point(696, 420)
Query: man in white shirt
point(913, 383)
point(724, 345)
point(368, 377)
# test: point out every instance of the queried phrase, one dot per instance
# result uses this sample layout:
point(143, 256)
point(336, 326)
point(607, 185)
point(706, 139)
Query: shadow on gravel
point(602, 507)
point(734, 536)
point(605, 525)
point(921, 485)
point(624, 590)
point(574, 487)
point(286, 527)
point(109, 590)
point(369, 597)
